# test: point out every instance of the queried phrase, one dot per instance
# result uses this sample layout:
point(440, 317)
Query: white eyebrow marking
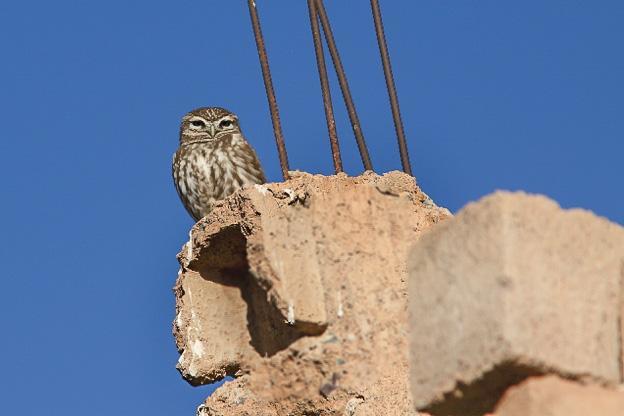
point(230, 118)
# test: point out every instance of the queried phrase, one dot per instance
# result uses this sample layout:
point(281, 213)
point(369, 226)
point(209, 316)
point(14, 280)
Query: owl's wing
point(254, 162)
point(175, 165)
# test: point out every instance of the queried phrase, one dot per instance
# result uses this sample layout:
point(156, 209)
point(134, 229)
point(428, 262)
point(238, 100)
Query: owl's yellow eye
point(198, 123)
point(224, 124)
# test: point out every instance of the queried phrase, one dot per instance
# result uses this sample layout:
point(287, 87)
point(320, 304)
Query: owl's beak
point(212, 129)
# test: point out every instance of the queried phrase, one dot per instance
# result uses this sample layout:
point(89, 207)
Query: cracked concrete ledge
point(511, 288)
point(299, 291)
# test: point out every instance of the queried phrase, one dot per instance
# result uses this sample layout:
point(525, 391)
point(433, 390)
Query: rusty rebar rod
point(322, 69)
point(268, 85)
point(392, 94)
point(344, 85)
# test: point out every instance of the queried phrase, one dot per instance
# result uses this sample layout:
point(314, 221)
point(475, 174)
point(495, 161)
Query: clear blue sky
point(494, 95)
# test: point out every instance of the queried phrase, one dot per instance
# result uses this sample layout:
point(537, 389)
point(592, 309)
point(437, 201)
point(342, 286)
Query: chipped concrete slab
point(511, 287)
point(299, 290)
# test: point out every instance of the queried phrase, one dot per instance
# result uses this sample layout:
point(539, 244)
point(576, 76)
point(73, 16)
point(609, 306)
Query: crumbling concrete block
point(554, 396)
point(299, 291)
point(513, 286)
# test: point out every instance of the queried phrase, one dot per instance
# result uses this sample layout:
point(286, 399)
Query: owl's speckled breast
point(206, 172)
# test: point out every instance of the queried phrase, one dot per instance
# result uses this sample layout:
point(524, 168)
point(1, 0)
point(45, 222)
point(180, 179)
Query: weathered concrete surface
point(299, 289)
point(554, 396)
point(511, 287)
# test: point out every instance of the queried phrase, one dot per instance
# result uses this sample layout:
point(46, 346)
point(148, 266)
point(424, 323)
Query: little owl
point(213, 159)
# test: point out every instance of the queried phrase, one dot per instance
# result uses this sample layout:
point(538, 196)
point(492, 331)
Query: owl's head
point(207, 124)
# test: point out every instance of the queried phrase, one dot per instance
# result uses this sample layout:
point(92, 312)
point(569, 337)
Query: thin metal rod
point(392, 94)
point(344, 85)
point(327, 103)
point(268, 85)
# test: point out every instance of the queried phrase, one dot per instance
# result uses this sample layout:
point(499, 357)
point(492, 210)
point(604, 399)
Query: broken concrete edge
point(230, 213)
point(516, 368)
point(340, 280)
point(584, 213)
point(188, 372)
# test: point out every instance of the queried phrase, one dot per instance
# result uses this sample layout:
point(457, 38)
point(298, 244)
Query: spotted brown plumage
point(213, 160)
